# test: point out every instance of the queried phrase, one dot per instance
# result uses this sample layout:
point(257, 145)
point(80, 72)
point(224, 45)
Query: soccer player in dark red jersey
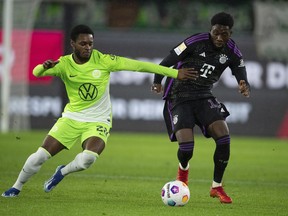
point(191, 102)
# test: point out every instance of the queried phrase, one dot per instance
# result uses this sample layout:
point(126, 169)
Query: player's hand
point(187, 73)
point(50, 64)
point(156, 88)
point(244, 88)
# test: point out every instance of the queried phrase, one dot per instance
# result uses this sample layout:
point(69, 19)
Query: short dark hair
point(80, 29)
point(222, 18)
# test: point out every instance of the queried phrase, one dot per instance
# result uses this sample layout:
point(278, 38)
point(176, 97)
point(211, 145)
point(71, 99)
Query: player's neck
point(79, 60)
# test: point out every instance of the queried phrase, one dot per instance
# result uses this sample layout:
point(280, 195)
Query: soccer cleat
point(12, 192)
point(54, 180)
point(183, 174)
point(220, 193)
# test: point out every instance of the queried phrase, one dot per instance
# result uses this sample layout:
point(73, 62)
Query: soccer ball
point(175, 193)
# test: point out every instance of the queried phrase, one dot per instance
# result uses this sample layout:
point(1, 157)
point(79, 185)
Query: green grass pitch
point(128, 177)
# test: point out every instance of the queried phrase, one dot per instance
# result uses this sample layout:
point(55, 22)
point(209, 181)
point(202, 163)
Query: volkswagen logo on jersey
point(223, 58)
point(88, 92)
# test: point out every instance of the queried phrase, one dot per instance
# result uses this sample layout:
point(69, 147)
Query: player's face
point(82, 48)
point(220, 35)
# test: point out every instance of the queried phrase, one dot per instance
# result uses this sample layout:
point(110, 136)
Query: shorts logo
point(102, 130)
point(175, 119)
point(88, 92)
point(214, 104)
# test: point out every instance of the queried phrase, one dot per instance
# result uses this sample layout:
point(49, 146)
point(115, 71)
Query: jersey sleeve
point(168, 61)
point(239, 70)
point(40, 71)
point(118, 63)
point(237, 64)
point(176, 54)
point(180, 50)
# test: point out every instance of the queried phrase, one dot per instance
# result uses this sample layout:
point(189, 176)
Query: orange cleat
point(220, 193)
point(183, 174)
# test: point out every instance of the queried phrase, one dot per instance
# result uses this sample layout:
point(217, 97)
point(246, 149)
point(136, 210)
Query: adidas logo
point(202, 54)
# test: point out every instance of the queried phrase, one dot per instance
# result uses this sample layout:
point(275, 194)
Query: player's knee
point(40, 156)
point(88, 158)
point(35, 160)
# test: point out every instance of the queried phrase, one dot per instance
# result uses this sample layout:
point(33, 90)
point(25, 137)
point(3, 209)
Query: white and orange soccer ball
point(175, 193)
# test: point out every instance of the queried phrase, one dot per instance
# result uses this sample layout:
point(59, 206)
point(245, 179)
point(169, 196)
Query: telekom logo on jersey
point(206, 69)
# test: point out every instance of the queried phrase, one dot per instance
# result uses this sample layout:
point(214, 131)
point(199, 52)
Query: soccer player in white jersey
point(87, 118)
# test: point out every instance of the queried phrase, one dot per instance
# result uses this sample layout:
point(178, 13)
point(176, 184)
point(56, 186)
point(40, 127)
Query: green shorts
point(69, 132)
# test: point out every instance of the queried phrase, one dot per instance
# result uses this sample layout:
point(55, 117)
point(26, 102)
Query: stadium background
point(147, 30)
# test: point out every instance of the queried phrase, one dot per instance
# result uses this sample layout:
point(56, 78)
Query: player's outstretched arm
point(121, 63)
point(41, 68)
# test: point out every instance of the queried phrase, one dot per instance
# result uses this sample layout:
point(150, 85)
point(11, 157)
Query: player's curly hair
point(80, 29)
point(222, 18)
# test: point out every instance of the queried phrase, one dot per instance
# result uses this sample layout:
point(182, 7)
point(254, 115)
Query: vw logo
point(88, 92)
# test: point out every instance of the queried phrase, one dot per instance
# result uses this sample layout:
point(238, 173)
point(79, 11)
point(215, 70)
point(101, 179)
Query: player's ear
point(72, 43)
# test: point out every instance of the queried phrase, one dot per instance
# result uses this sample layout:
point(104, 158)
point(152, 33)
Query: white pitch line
point(151, 178)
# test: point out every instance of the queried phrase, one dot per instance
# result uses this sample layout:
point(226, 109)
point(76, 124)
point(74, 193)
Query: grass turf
point(128, 177)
